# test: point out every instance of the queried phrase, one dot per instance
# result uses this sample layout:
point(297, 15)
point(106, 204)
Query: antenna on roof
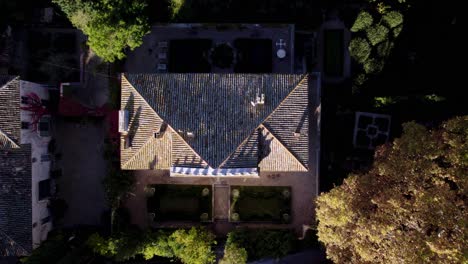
point(259, 99)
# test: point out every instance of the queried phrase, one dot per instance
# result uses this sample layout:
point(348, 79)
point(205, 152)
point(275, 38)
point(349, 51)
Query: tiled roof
point(216, 110)
point(15, 201)
point(15, 174)
point(290, 122)
point(275, 156)
point(10, 126)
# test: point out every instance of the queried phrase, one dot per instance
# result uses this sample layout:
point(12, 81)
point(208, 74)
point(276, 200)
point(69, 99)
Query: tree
point(262, 243)
point(193, 246)
point(409, 208)
point(234, 254)
point(360, 49)
point(363, 21)
point(111, 25)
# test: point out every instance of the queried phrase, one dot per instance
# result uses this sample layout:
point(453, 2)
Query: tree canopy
point(409, 208)
point(193, 246)
point(376, 29)
point(111, 25)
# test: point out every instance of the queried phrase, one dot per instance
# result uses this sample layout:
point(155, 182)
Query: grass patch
point(181, 202)
point(333, 52)
point(261, 204)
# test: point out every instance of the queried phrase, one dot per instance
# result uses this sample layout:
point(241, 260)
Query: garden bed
point(261, 204)
point(189, 55)
point(254, 56)
point(181, 202)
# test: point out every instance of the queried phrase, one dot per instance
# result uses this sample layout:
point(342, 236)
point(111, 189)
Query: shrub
point(397, 31)
point(263, 243)
point(192, 246)
point(363, 21)
point(393, 19)
point(235, 217)
point(359, 49)
point(377, 34)
point(373, 66)
point(384, 48)
point(233, 254)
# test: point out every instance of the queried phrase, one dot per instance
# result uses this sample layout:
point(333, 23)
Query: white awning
point(210, 172)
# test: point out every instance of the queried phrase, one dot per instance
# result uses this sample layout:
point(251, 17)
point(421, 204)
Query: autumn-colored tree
point(409, 208)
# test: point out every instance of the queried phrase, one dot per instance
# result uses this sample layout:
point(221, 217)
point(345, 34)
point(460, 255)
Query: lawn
point(333, 52)
point(261, 204)
point(181, 202)
point(189, 55)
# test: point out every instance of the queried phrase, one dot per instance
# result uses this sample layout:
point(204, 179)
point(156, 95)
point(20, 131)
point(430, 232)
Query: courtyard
point(191, 48)
point(301, 188)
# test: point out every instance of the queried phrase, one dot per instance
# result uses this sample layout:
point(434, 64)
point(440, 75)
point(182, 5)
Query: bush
point(363, 21)
point(397, 31)
point(263, 243)
point(192, 246)
point(377, 34)
point(233, 254)
point(359, 49)
point(384, 49)
point(373, 66)
point(393, 19)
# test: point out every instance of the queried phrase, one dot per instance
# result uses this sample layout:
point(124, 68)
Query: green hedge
point(180, 202)
point(261, 203)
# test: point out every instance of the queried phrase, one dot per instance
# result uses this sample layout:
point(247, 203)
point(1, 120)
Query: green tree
point(360, 49)
point(363, 21)
point(262, 243)
point(409, 208)
point(193, 246)
point(377, 34)
point(233, 252)
point(111, 25)
point(393, 18)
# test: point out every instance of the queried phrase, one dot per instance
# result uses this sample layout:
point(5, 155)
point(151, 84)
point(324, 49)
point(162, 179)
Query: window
point(45, 220)
point(44, 189)
point(44, 126)
point(25, 100)
point(24, 125)
point(45, 157)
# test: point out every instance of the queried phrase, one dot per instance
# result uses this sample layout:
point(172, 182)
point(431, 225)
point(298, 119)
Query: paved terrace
point(144, 58)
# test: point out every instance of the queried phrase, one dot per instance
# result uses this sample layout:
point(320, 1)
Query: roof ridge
point(147, 105)
point(261, 123)
point(281, 86)
point(124, 166)
point(306, 76)
point(13, 242)
point(282, 144)
point(6, 141)
point(238, 147)
point(188, 145)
